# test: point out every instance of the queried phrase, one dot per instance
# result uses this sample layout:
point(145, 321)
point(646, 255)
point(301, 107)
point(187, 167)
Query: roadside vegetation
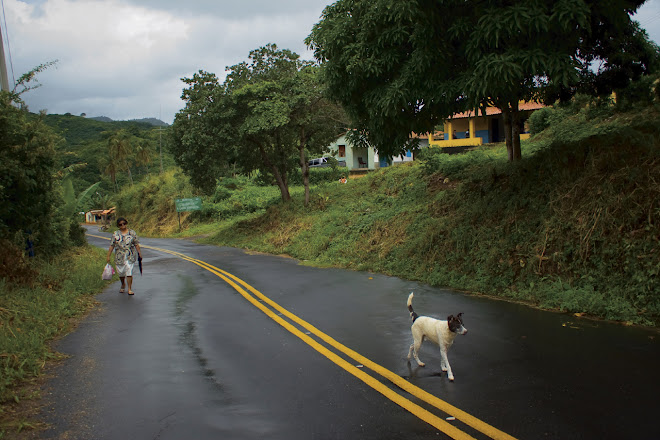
point(40, 302)
point(48, 274)
point(573, 226)
point(567, 221)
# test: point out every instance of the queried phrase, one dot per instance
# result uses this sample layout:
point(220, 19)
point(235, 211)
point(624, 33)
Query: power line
point(650, 19)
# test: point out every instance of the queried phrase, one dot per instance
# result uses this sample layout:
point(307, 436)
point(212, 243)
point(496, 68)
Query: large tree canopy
point(269, 112)
point(402, 66)
point(30, 195)
point(191, 137)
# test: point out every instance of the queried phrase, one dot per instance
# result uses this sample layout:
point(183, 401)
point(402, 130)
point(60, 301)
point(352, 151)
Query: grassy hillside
point(574, 226)
point(78, 130)
point(85, 141)
point(34, 310)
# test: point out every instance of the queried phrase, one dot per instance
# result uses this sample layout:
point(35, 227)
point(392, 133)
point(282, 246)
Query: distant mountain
point(101, 118)
point(79, 130)
point(86, 142)
point(150, 121)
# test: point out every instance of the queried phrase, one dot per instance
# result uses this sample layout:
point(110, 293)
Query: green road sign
point(192, 204)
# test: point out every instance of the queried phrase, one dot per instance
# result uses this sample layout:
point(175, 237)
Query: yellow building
point(470, 129)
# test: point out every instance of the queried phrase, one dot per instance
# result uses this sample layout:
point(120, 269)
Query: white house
point(367, 158)
point(463, 130)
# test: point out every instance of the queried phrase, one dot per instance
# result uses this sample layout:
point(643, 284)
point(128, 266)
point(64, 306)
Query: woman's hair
point(120, 219)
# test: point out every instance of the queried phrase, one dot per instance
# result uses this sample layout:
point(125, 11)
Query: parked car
point(320, 162)
point(325, 162)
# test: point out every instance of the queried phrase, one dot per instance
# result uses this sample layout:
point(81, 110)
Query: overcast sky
point(124, 58)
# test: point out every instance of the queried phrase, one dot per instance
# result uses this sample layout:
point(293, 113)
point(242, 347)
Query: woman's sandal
point(130, 292)
point(122, 290)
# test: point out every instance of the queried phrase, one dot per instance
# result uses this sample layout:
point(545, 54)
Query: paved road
point(189, 357)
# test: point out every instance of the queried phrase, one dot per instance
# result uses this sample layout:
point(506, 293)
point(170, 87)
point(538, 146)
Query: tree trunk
point(506, 117)
point(284, 189)
point(515, 131)
point(281, 182)
point(130, 176)
point(304, 165)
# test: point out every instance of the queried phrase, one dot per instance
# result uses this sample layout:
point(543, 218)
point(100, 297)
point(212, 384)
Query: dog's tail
point(413, 315)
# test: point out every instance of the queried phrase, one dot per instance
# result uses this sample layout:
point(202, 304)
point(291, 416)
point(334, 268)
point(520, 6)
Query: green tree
point(110, 170)
point(192, 139)
point(268, 115)
point(404, 66)
point(29, 193)
point(315, 119)
point(144, 153)
point(120, 149)
point(256, 102)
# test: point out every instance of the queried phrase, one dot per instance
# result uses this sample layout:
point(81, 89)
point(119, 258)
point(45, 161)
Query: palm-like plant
point(143, 153)
point(111, 170)
point(120, 148)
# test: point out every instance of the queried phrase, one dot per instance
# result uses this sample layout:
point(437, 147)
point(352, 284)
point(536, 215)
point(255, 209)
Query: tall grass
point(150, 205)
point(574, 226)
point(31, 316)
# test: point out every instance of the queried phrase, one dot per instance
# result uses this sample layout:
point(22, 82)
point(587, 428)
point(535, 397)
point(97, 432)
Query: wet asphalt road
point(190, 358)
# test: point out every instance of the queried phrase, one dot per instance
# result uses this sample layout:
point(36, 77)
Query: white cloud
point(124, 58)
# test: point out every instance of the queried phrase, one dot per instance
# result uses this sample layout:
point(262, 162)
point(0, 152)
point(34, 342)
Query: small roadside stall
point(103, 217)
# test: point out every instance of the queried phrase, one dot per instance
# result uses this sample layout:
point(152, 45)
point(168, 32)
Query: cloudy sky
point(124, 58)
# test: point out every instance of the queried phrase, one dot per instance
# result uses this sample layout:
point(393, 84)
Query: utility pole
point(4, 79)
point(160, 142)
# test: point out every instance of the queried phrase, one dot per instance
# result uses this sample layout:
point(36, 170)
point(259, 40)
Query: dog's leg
point(415, 349)
point(444, 363)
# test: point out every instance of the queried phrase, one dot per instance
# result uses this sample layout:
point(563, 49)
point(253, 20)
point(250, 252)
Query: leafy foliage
point(31, 315)
point(573, 226)
point(403, 67)
point(85, 144)
point(29, 197)
point(149, 204)
point(267, 115)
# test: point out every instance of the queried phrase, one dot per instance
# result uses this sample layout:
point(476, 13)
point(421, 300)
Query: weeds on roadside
point(574, 226)
point(31, 316)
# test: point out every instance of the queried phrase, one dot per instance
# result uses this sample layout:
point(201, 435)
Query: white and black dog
point(441, 333)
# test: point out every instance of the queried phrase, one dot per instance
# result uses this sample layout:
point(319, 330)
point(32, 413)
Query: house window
point(342, 151)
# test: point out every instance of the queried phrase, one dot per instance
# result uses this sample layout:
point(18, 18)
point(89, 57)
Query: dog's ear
point(449, 318)
point(459, 315)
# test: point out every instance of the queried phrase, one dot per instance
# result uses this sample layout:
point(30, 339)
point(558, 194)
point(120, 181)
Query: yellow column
point(431, 138)
point(473, 130)
point(449, 133)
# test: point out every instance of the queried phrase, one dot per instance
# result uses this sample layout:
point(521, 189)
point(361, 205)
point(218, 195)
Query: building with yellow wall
point(472, 129)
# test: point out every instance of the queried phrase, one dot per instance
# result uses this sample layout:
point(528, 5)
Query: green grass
point(31, 317)
point(574, 226)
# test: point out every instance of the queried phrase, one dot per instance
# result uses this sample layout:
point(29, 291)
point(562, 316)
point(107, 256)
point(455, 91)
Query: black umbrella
point(140, 263)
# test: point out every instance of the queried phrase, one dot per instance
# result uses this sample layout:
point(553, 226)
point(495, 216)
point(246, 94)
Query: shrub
point(540, 120)
point(318, 175)
point(76, 233)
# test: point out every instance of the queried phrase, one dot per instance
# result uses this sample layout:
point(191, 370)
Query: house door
point(495, 130)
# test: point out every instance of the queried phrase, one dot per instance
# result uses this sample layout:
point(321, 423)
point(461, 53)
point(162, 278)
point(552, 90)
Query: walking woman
point(127, 251)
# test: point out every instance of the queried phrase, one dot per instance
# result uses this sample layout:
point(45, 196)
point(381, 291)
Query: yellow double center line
point(258, 299)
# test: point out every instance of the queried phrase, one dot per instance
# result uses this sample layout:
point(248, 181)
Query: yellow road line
point(397, 380)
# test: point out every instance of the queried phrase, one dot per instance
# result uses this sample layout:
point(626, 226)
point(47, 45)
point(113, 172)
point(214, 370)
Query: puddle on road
point(187, 292)
point(188, 329)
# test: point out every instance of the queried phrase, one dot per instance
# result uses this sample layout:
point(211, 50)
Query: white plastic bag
point(108, 272)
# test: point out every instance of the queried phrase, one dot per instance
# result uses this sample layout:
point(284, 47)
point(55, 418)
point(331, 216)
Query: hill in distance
point(151, 121)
